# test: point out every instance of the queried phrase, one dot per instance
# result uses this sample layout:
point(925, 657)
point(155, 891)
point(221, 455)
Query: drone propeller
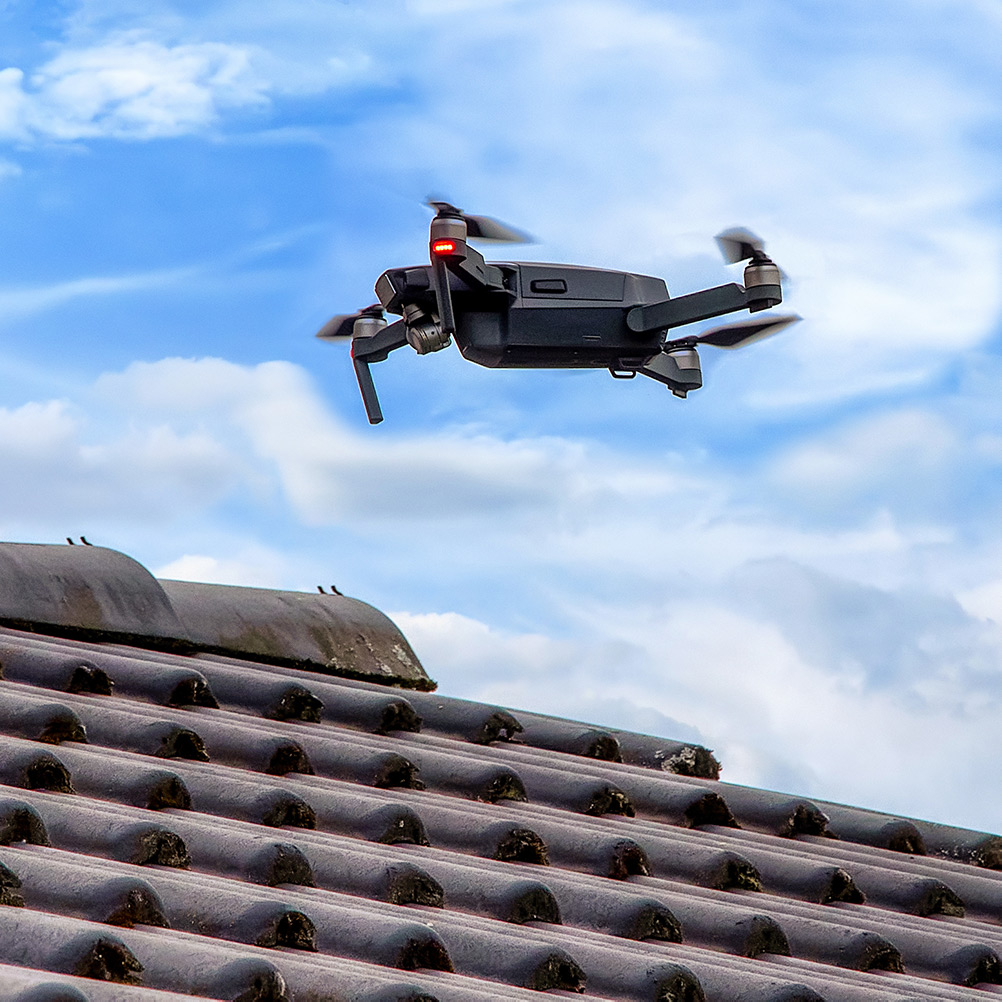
point(740, 334)
point(738, 244)
point(480, 227)
point(342, 327)
point(338, 328)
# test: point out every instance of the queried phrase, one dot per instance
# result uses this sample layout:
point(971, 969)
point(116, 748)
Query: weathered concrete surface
point(101, 594)
point(328, 633)
point(84, 588)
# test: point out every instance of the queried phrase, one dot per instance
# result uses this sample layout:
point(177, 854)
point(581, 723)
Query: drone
point(511, 314)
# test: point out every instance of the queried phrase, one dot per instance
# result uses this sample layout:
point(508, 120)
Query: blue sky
point(800, 565)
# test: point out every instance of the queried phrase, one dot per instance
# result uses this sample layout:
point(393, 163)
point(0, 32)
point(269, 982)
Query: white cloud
point(331, 473)
point(55, 472)
point(259, 569)
point(128, 87)
point(984, 601)
point(787, 708)
point(842, 500)
point(890, 453)
point(36, 428)
point(12, 102)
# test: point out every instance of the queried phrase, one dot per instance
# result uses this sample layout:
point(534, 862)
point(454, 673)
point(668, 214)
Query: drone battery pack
point(557, 316)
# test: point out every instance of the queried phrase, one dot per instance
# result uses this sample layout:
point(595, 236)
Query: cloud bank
point(586, 583)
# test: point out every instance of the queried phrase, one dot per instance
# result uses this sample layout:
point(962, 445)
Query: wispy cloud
point(18, 302)
point(25, 301)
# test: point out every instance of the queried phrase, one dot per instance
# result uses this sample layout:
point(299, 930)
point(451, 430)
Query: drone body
point(529, 315)
point(544, 315)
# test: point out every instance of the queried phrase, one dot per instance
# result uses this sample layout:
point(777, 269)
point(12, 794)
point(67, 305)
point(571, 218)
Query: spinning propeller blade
point(740, 334)
point(338, 328)
point(738, 244)
point(486, 228)
point(341, 327)
point(481, 227)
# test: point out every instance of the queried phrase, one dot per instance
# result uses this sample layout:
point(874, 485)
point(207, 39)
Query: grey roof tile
point(373, 708)
point(40, 665)
point(980, 895)
point(839, 984)
point(24, 984)
point(467, 721)
point(38, 718)
point(26, 764)
point(20, 822)
point(60, 883)
point(914, 891)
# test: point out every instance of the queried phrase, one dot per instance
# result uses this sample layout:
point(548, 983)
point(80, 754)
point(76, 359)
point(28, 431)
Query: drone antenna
point(450, 230)
point(447, 241)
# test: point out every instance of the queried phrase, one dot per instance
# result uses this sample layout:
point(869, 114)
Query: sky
point(799, 566)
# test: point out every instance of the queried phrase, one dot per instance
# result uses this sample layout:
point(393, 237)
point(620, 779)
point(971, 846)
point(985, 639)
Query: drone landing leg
point(679, 370)
point(366, 348)
point(368, 389)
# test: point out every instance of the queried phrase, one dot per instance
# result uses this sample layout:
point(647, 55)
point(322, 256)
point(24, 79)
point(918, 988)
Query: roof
point(179, 822)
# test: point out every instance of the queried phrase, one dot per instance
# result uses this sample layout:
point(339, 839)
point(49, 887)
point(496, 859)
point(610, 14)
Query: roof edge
point(95, 593)
point(330, 634)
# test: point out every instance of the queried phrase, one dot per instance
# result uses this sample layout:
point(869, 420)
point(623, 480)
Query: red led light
point(443, 247)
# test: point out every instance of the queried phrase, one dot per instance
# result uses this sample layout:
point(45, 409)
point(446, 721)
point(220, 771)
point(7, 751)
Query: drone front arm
point(374, 348)
point(702, 306)
point(458, 257)
point(475, 271)
point(679, 370)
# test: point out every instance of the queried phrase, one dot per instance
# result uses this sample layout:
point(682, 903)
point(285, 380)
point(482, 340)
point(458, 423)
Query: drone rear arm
point(702, 306)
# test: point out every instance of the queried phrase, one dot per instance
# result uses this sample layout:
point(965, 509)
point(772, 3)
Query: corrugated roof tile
point(306, 837)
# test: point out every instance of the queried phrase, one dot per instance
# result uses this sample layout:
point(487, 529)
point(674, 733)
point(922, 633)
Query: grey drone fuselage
point(521, 314)
point(544, 316)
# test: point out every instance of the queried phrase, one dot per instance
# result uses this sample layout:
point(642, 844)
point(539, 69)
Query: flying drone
point(556, 316)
